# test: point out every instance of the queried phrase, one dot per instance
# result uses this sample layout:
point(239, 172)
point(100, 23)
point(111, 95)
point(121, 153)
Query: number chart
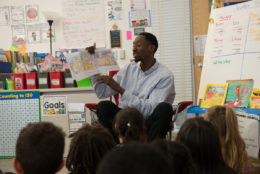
point(17, 109)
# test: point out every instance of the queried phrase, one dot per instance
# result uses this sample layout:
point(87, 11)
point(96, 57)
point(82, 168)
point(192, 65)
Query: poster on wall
point(138, 5)
point(140, 18)
point(17, 109)
point(17, 14)
point(137, 31)
point(32, 15)
point(115, 38)
point(34, 33)
point(77, 116)
point(83, 23)
point(54, 105)
point(45, 32)
point(114, 10)
point(4, 16)
point(18, 34)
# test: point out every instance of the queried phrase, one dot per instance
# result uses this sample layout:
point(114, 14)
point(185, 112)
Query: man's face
point(142, 48)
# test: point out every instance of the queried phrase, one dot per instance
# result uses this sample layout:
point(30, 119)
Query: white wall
point(56, 6)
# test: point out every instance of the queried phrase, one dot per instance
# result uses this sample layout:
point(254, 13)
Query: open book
point(83, 65)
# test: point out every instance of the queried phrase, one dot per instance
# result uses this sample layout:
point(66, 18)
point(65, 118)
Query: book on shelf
point(238, 93)
point(255, 98)
point(82, 64)
point(214, 95)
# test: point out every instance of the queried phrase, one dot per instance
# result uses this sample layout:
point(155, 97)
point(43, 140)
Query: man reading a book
point(144, 84)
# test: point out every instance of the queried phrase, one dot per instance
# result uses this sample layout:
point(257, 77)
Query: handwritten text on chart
point(222, 61)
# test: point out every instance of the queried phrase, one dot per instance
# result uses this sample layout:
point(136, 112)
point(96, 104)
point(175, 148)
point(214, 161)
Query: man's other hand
point(91, 49)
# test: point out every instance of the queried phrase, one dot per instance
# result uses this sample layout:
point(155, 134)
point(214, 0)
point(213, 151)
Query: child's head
point(88, 146)
point(137, 158)
point(224, 119)
point(130, 125)
point(233, 146)
point(39, 149)
point(178, 154)
point(202, 139)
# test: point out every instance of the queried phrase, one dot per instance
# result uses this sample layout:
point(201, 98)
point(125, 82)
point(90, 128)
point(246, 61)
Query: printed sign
point(54, 105)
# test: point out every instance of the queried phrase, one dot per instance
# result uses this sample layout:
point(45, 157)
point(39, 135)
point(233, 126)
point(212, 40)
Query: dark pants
point(157, 123)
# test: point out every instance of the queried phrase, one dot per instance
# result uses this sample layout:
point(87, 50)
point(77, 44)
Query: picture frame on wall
point(115, 38)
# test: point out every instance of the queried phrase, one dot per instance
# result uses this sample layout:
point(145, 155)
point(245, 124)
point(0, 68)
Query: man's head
point(144, 46)
point(39, 149)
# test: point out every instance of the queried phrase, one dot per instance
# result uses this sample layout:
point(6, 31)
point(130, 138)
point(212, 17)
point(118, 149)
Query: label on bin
point(30, 82)
point(68, 80)
point(18, 82)
point(55, 81)
point(42, 81)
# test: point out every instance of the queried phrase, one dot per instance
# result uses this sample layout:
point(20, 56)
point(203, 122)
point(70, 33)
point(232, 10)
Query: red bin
point(31, 80)
point(56, 79)
point(19, 81)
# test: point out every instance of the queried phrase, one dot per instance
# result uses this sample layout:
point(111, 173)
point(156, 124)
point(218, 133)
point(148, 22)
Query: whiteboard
point(233, 45)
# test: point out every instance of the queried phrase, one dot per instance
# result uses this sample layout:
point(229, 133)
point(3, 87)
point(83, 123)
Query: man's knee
point(105, 104)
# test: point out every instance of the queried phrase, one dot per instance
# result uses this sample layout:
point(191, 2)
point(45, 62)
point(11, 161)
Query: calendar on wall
point(17, 109)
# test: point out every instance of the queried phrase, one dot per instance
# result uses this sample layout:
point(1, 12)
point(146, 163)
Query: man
point(144, 84)
point(39, 149)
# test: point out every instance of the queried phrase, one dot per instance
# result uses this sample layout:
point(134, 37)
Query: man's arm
point(109, 81)
point(101, 89)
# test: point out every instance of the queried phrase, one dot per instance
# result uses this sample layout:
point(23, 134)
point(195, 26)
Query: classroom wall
point(56, 6)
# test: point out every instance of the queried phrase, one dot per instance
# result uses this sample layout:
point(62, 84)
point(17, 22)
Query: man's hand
point(91, 49)
point(111, 83)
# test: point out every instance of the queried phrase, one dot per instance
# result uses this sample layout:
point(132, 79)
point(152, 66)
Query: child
point(135, 158)
point(178, 154)
point(130, 125)
point(233, 147)
point(39, 149)
point(88, 146)
point(202, 139)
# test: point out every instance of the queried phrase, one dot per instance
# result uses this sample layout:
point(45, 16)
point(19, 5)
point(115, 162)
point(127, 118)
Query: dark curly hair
point(88, 146)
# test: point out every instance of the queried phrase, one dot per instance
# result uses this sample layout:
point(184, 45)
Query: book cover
point(238, 93)
point(83, 64)
point(214, 95)
point(255, 98)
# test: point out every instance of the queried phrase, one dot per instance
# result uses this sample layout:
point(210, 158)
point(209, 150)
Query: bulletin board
point(233, 45)
point(76, 24)
point(17, 109)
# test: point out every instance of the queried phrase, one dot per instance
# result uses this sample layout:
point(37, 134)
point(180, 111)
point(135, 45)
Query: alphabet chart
point(17, 109)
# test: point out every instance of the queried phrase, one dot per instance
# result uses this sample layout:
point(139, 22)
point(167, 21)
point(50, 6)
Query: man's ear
point(17, 166)
point(61, 165)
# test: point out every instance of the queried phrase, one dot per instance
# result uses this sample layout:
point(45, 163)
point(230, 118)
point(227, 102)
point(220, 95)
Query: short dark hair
point(178, 154)
point(151, 39)
point(40, 147)
point(138, 158)
point(130, 125)
point(88, 146)
point(202, 139)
